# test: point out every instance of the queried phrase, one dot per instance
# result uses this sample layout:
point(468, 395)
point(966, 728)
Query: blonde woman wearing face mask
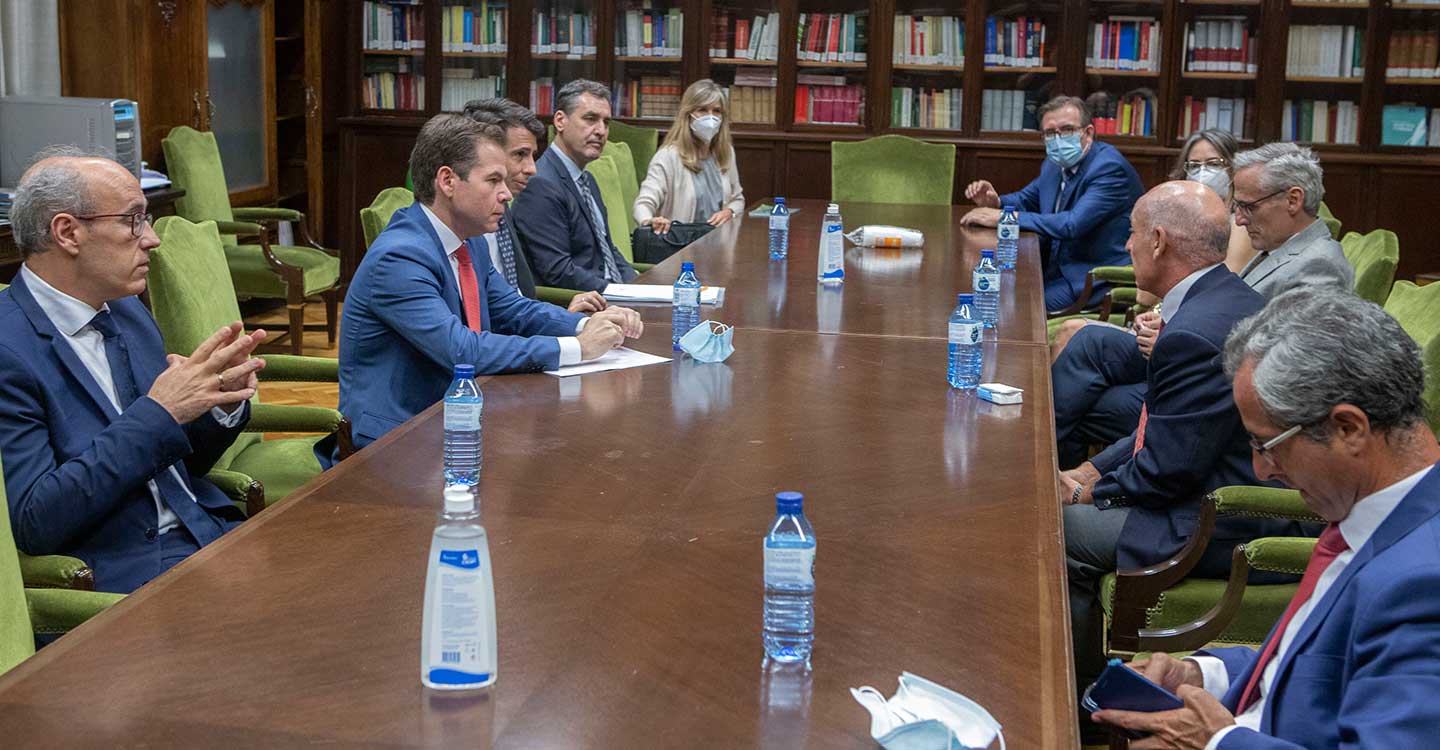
point(693, 177)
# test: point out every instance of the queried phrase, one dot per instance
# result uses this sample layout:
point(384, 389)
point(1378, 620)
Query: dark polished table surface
point(625, 512)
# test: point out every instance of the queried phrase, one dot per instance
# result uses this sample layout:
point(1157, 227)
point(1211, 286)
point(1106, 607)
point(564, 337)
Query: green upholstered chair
point(643, 143)
point(190, 300)
point(892, 169)
point(262, 271)
point(375, 217)
point(1122, 296)
point(629, 182)
point(607, 170)
point(1374, 257)
point(1330, 220)
point(25, 612)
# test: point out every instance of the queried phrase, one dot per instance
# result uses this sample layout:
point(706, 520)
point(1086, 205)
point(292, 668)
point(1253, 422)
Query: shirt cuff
point(227, 420)
point(1219, 736)
point(569, 350)
point(580, 325)
point(1213, 672)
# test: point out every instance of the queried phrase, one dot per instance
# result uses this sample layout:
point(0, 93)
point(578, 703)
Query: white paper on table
point(709, 295)
point(615, 359)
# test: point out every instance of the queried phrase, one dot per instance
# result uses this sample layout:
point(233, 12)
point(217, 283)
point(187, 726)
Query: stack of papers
point(709, 295)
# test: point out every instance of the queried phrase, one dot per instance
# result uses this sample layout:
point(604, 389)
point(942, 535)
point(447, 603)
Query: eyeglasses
point(1065, 131)
point(1216, 163)
point(1248, 207)
point(138, 220)
point(1263, 449)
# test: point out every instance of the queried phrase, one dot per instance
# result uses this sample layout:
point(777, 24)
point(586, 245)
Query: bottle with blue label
point(789, 620)
point(832, 247)
point(987, 289)
point(464, 415)
point(779, 230)
point(457, 641)
point(966, 356)
point(1007, 243)
point(685, 304)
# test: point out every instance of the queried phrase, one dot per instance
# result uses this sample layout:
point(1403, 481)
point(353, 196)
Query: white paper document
point(615, 359)
point(709, 295)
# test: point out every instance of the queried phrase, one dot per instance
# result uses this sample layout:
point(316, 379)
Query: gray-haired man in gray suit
point(1278, 189)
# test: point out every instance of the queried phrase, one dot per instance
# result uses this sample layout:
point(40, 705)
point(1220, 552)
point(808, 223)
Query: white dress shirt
point(1176, 296)
point(1357, 528)
point(569, 345)
point(72, 319)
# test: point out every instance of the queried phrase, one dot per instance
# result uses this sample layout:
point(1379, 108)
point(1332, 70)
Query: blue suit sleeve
point(1100, 200)
point(512, 313)
point(548, 222)
point(1191, 414)
point(209, 440)
point(407, 297)
point(53, 504)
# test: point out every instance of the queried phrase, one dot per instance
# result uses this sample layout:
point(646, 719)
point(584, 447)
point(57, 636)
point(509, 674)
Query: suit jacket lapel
point(62, 348)
point(564, 176)
point(449, 288)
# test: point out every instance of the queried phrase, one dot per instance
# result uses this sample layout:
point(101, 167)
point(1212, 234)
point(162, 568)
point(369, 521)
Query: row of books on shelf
point(832, 37)
point(1125, 43)
point(1006, 109)
point(1410, 125)
point(745, 39)
point(1413, 54)
point(460, 85)
point(468, 29)
point(1330, 51)
point(648, 96)
point(936, 109)
point(1314, 121)
point(393, 90)
point(1130, 114)
point(559, 32)
point(391, 26)
point(750, 103)
point(1015, 42)
point(1204, 113)
point(650, 33)
point(1220, 44)
point(828, 100)
point(929, 40)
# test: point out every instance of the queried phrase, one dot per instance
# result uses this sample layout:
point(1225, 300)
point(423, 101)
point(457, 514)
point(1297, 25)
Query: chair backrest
point(1374, 257)
point(192, 159)
point(17, 637)
point(643, 143)
point(1330, 220)
point(629, 183)
point(1417, 308)
point(892, 169)
point(191, 295)
point(606, 170)
point(375, 217)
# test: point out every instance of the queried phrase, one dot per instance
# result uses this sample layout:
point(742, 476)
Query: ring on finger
point(221, 377)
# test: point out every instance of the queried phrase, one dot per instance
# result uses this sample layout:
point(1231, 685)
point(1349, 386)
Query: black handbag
point(649, 247)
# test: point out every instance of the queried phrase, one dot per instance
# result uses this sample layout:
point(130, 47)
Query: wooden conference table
point(625, 512)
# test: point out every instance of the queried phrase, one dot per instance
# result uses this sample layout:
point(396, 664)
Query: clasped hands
point(608, 329)
point(1188, 728)
point(220, 372)
point(1085, 476)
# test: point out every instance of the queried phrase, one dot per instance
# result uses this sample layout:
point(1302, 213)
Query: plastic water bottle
point(966, 358)
point(464, 415)
point(832, 247)
point(779, 230)
point(789, 626)
point(987, 289)
point(1008, 244)
point(685, 309)
point(457, 639)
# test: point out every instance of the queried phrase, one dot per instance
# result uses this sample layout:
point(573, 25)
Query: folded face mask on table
point(709, 342)
point(925, 716)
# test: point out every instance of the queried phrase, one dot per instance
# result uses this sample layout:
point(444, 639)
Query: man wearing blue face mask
point(1079, 205)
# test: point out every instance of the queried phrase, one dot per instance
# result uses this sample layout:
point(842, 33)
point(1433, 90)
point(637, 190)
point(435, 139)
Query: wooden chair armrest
point(1136, 591)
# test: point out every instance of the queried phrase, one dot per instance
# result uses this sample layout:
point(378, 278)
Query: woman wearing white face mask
point(693, 177)
point(1206, 158)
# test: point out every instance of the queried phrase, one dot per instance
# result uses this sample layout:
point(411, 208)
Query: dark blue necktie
point(507, 251)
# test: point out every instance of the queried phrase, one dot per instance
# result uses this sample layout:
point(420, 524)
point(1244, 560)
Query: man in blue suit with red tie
point(421, 302)
point(106, 440)
point(1079, 205)
point(1331, 391)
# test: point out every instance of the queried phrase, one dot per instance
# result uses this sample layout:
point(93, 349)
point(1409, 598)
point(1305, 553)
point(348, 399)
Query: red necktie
point(469, 289)
point(1327, 548)
point(1144, 410)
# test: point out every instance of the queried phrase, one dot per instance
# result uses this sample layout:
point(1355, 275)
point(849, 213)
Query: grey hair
point(1199, 241)
point(569, 95)
point(1286, 165)
point(1318, 347)
point(44, 192)
point(1061, 102)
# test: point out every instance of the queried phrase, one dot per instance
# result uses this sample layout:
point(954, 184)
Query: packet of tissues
point(923, 715)
point(879, 235)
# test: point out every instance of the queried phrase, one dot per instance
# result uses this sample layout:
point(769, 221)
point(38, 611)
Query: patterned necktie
point(1327, 548)
point(612, 271)
point(507, 252)
point(469, 289)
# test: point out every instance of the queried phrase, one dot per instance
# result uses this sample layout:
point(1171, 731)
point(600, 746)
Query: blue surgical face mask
point(709, 342)
point(1065, 150)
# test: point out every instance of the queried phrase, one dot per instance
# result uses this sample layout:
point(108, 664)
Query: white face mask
point(705, 127)
point(925, 716)
point(1215, 178)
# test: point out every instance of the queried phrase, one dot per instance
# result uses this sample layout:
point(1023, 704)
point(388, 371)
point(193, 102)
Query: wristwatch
point(1075, 496)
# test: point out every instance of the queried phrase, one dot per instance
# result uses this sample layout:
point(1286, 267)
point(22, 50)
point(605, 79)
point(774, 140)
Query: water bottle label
point(457, 639)
point(686, 297)
point(779, 222)
point(462, 416)
point(987, 282)
point(1009, 231)
point(966, 333)
point(790, 566)
point(832, 228)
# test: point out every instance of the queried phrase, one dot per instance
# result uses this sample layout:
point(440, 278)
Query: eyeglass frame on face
point(1263, 449)
point(1064, 131)
point(138, 220)
point(1247, 208)
point(1217, 162)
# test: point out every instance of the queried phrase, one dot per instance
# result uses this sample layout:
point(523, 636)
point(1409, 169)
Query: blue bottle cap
point(1009, 208)
point(779, 201)
point(686, 266)
point(987, 254)
point(789, 502)
point(464, 371)
point(967, 298)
